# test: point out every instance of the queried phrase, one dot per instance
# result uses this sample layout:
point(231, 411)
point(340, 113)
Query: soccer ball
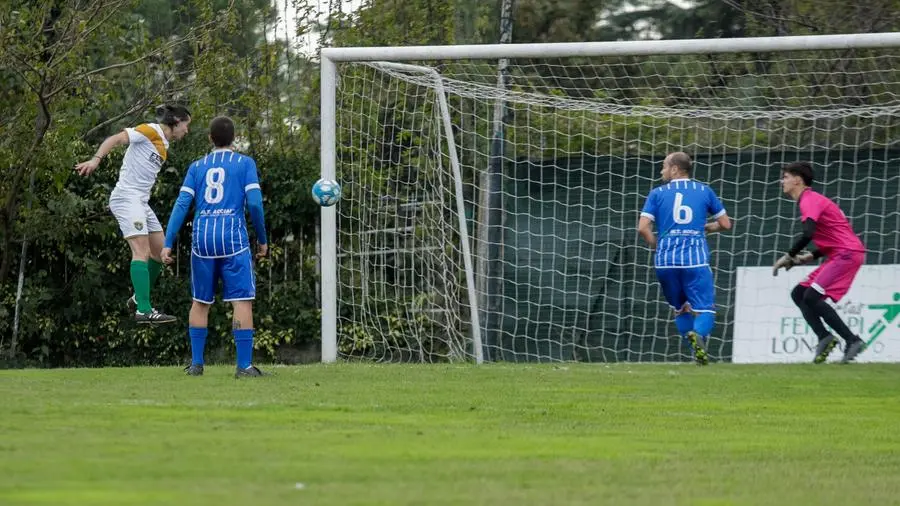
point(326, 192)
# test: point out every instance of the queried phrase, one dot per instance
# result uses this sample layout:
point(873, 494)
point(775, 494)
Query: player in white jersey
point(129, 200)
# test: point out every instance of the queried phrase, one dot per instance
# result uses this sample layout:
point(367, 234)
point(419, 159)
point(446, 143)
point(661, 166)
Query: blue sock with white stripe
point(685, 323)
point(704, 323)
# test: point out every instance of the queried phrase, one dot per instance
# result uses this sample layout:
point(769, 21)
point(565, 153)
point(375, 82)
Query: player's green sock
point(140, 280)
point(155, 268)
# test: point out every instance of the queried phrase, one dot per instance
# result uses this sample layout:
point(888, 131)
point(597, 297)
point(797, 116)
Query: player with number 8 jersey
point(222, 179)
point(221, 185)
point(680, 208)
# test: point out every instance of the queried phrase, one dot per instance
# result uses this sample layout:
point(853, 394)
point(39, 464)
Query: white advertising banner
point(768, 327)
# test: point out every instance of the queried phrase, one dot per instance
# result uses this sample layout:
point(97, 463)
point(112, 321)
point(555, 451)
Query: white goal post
point(408, 129)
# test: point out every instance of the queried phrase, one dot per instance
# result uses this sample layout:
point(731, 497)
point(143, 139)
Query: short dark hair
point(172, 114)
point(221, 131)
point(681, 160)
point(802, 169)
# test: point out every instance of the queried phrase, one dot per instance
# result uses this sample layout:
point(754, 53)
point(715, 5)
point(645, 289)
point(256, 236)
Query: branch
point(111, 67)
point(10, 125)
point(53, 48)
point(878, 19)
point(141, 104)
point(82, 35)
point(189, 36)
point(42, 49)
point(18, 72)
point(734, 4)
point(40, 25)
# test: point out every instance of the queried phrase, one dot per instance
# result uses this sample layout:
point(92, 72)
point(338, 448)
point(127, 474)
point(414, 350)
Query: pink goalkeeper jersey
point(833, 231)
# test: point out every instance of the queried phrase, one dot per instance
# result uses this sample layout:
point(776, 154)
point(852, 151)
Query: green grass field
point(348, 434)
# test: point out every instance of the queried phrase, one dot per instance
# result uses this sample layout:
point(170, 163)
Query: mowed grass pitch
point(496, 434)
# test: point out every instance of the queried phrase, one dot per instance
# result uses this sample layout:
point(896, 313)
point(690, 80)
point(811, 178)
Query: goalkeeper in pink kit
point(826, 226)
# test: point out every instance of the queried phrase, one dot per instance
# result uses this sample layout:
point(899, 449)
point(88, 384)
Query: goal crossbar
point(619, 48)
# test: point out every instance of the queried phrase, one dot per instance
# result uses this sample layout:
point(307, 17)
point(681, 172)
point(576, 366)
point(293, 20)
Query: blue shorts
point(693, 285)
point(236, 273)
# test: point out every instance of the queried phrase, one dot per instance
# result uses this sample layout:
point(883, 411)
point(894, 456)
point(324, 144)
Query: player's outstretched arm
point(119, 139)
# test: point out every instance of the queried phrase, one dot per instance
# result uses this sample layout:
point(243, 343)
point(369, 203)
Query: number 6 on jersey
point(681, 213)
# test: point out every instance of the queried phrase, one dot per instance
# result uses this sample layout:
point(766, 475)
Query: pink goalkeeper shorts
point(834, 277)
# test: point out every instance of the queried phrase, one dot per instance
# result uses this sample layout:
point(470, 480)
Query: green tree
point(69, 89)
point(807, 17)
point(57, 65)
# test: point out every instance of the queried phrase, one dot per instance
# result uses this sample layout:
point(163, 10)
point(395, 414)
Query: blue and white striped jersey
point(680, 209)
point(219, 183)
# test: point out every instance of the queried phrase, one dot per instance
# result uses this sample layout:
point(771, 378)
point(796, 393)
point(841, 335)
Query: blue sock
point(704, 323)
point(685, 323)
point(198, 344)
point(243, 342)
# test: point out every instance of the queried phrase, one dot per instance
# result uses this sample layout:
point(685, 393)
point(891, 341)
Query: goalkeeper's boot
point(700, 354)
point(154, 317)
point(132, 304)
point(250, 372)
point(823, 349)
point(852, 350)
point(194, 370)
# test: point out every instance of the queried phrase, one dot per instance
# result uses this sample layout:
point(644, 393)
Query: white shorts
point(134, 215)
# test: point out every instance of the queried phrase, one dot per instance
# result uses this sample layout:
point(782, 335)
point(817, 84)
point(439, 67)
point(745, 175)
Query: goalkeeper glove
point(785, 261)
point(788, 261)
point(804, 257)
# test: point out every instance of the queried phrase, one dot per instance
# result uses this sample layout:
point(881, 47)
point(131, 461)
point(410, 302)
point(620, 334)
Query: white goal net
point(492, 213)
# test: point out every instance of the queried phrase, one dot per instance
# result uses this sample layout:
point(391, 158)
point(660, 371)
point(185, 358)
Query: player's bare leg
point(140, 280)
point(243, 314)
point(243, 339)
point(199, 315)
point(198, 319)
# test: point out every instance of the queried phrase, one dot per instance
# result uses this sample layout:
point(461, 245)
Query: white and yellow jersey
point(143, 159)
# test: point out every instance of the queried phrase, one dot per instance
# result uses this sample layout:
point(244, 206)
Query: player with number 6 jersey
point(680, 209)
point(221, 185)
